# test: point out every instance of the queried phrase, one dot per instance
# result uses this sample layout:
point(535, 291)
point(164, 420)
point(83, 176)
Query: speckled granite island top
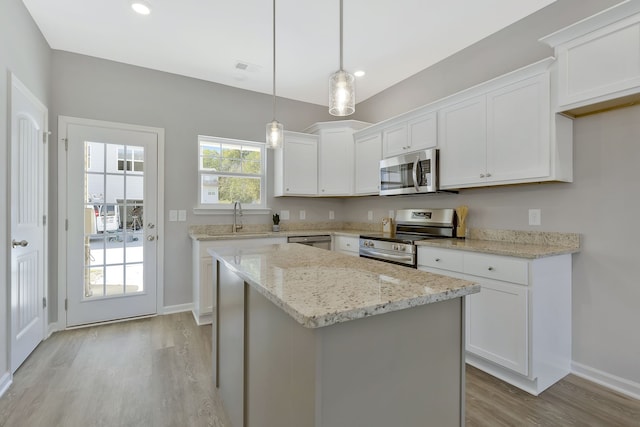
point(320, 288)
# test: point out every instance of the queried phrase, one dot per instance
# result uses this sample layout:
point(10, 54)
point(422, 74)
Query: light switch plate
point(303, 214)
point(182, 215)
point(535, 217)
point(284, 214)
point(370, 215)
point(332, 215)
point(173, 215)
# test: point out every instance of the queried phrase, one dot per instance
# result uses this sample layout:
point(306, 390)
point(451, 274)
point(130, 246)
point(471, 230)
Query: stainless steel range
point(411, 225)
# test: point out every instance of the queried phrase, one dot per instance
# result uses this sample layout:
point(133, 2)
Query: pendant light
point(342, 89)
point(275, 130)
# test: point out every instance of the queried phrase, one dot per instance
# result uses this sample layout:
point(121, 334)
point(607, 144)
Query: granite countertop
point(520, 250)
point(264, 234)
point(320, 288)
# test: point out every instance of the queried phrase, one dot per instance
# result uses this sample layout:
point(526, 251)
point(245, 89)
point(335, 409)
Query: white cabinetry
point(518, 328)
point(204, 274)
point(348, 245)
point(505, 134)
point(368, 153)
point(336, 156)
point(414, 131)
point(296, 166)
point(598, 60)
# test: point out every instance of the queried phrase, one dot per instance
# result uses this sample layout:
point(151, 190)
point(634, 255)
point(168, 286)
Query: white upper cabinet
point(415, 131)
point(296, 166)
point(463, 142)
point(598, 60)
point(505, 134)
point(368, 153)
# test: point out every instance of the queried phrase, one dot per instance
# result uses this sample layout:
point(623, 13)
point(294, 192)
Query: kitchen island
point(308, 337)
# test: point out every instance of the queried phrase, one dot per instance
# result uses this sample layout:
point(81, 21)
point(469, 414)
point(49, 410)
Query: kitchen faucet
point(237, 212)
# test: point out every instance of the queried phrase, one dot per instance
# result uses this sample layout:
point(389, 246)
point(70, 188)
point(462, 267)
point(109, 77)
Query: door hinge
point(66, 304)
point(44, 220)
point(66, 143)
point(44, 303)
point(66, 225)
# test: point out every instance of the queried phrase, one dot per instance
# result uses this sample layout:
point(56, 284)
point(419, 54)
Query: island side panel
point(280, 373)
point(230, 348)
point(397, 369)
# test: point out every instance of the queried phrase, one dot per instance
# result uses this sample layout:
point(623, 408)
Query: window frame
point(204, 208)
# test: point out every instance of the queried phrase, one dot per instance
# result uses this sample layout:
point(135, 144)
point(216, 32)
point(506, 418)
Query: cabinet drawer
point(440, 258)
point(498, 268)
point(346, 243)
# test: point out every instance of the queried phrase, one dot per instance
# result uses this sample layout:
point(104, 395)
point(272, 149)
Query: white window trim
point(225, 209)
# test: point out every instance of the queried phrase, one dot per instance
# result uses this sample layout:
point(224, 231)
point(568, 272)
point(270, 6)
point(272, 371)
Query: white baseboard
point(621, 385)
point(51, 328)
point(5, 382)
point(171, 309)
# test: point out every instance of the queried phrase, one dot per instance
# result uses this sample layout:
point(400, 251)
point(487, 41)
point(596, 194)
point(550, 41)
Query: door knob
point(151, 238)
point(22, 243)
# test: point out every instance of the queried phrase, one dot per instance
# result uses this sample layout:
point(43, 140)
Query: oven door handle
point(415, 174)
point(367, 252)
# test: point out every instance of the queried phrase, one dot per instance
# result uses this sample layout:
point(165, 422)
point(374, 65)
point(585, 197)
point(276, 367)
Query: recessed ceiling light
point(359, 73)
point(141, 6)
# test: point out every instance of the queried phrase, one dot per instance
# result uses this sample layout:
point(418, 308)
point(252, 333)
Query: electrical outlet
point(370, 215)
point(332, 215)
point(173, 215)
point(303, 215)
point(535, 217)
point(182, 215)
point(284, 215)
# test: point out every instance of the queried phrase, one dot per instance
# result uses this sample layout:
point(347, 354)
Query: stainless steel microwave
point(414, 173)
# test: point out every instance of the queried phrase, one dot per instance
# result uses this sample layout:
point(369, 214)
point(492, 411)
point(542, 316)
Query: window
point(231, 170)
point(134, 160)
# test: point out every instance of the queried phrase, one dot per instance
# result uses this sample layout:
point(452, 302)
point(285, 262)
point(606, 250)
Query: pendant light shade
point(275, 133)
point(342, 87)
point(275, 130)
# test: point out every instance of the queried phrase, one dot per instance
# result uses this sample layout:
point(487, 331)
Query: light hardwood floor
point(157, 372)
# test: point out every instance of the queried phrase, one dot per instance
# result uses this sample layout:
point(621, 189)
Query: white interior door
point(28, 207)
point(112, 253)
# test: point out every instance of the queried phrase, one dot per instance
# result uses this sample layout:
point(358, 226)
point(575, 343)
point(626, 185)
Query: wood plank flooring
point(157, 372)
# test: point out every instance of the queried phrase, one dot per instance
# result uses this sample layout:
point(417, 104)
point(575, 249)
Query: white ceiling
point(389, 39)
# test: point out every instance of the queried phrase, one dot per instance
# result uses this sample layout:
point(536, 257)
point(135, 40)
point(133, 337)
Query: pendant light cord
point(274, 60)
point(340, 35)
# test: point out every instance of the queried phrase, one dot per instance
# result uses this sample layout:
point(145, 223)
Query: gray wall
point(24, 52)
point(602, 203)
point(104, 90)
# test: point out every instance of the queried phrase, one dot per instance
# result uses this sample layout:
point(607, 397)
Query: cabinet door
point(518, 137)
point(300, 165)
point(335, 154)
point(394, 140)
point(602, 65)
point(347, 245)
point(497, 325)
point(368, 153)
point(422, 132)
point(462, 134)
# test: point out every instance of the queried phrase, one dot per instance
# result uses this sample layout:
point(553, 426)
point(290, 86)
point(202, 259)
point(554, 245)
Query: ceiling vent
point(246, 66)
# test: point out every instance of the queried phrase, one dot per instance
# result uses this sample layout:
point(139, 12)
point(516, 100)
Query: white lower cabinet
point(204, 273)
point(518, 328)
point(348, 245)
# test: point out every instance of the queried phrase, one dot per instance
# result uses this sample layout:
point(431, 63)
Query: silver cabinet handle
point(490, 268)
point(151, 226)
point(22, 243)
point(481, 175)
point(437, 259)
point(151, 238)
point(488, 175)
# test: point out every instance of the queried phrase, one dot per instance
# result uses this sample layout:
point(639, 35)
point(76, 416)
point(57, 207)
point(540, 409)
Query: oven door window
point(396, 177)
